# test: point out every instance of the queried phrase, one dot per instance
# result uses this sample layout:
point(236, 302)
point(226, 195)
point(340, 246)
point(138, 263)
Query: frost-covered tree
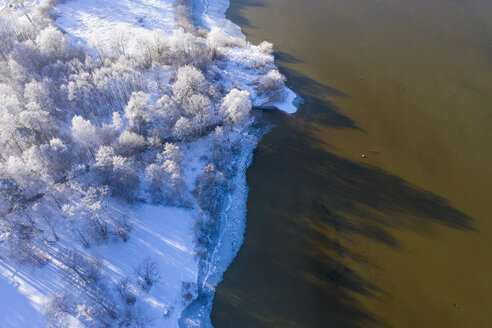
point(38, 93)
point(172, 152)
point(51, 42)
point(137, 111)
point(80, 91)
point(166, 178)
point(58, 157)
point(164, 115)
point(236, 107)
point(183, 128)
point(125, 181)
point(130, 143)
point(211, 185)
point(199, 107)
point(83, 132)
point(189, 81)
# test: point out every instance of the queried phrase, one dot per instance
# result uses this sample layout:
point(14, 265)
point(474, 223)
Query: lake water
point(402, 238)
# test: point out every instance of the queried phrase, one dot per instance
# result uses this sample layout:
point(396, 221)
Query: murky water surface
point(404, 237)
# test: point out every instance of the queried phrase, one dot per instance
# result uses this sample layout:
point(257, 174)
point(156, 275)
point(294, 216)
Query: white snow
point(95, 20)
point(163, 233)
point(17, 310)
point(211, 14)
point(289, 104)
point(166, 235)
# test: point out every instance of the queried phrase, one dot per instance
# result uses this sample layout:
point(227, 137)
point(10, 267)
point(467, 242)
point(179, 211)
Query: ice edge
point(212, 14)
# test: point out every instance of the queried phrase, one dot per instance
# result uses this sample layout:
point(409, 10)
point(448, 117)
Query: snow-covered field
point(165, 234)
point(94, 20)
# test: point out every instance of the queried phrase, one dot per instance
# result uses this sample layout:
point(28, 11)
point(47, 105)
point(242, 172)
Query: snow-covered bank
point(95, 21)
point(211, 14)
point(122, 111)
point(227, 242)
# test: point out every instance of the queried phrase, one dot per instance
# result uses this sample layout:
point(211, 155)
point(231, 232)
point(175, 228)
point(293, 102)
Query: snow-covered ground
point(95, 20)
point(164, 233)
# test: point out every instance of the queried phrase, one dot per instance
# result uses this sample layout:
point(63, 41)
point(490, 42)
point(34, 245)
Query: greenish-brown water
point(404, 237)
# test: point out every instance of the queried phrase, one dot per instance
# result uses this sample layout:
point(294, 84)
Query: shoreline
point(233, 217)
point(169, 233)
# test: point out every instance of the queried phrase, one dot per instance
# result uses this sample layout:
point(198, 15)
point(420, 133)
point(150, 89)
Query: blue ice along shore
point(211, 14)
point(126, 132)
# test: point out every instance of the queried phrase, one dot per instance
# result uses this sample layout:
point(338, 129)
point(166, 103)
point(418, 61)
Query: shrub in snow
point(147, 274)
point(222, 151)
point(183, 16)
point(118, 41)
point(93, 308)
point(253, 59)
point(217, 38)
point(136, 317)
point(272, 85)
point(266, 47)
point(189, 291)
point(159, 47)
point(188, 49)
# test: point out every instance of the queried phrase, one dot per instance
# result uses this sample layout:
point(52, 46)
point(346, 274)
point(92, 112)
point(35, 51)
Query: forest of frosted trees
point(83, 126)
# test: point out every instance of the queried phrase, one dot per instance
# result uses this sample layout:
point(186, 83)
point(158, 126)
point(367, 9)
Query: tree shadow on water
point(294, 268)
point(305, 202)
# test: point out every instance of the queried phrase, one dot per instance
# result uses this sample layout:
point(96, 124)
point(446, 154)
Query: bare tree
point(147, 274)
point(126, 292)
point(58, 310)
